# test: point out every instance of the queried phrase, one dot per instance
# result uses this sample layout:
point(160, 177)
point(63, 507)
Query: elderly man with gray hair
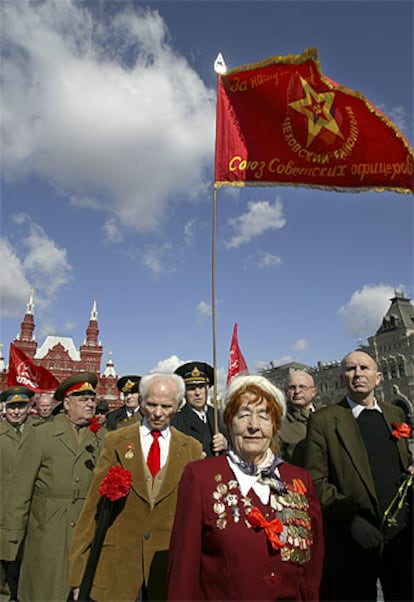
point(133, 560)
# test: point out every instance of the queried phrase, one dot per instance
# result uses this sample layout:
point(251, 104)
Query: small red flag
point(237, 363)
point(22, 371)
point(281, 121)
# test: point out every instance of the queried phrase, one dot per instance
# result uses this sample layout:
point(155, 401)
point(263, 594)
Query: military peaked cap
point(80, 383)
point(17, 393)
point(129, 384)
point(195, 373)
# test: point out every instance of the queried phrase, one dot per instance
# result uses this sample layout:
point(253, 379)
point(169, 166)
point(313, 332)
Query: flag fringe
point(348, 189)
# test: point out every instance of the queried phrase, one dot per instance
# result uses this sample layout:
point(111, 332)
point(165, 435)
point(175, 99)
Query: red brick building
point(60, 356)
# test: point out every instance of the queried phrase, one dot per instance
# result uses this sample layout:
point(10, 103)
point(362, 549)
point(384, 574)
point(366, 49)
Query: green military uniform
point(11, 437)
point(10, 441)
point(50, 482)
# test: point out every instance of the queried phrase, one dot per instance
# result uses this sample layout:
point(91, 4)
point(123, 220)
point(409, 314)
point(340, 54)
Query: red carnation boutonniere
point(116, 483)
point(94, 425)
point(401, 430)
point(114, 486)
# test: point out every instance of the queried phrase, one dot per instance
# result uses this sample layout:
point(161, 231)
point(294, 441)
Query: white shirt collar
point(357, 408)
point(146, 430)
point(201, 414)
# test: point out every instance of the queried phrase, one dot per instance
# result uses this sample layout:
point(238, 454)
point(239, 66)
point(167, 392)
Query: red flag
point(281, 121)
point(22, 371)
point(237, 363)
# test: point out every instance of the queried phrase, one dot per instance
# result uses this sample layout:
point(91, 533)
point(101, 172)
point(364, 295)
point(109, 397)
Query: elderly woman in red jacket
point(248, 525)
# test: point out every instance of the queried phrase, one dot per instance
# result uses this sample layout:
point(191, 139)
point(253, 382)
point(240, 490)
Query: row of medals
point(291, 508)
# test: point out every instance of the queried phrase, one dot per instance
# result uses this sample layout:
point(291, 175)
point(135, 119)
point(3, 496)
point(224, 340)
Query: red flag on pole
point(22, 371)
point(237, 363)
point(281, 121)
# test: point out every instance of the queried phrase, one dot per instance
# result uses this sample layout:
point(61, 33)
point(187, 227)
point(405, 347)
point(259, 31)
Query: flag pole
point(220, 68)
point(213, 309)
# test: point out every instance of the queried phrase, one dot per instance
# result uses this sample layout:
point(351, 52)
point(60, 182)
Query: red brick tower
point(91, 350)
point(26, 340)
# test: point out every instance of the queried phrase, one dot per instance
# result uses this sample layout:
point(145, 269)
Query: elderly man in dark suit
point(357, 458)
point(129, 412)
point(133, 560)
point(196, 417)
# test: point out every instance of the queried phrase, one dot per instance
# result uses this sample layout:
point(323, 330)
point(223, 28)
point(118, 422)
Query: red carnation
point(116, 483)
point(114, 486)
point(401, 430)
point(94, 425)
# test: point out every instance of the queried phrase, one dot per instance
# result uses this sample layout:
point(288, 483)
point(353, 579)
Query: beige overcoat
point(49, 484)
point(136, 544)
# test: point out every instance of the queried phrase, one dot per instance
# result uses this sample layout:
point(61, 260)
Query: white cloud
point(263, 262)
point(189, 229)
point(32, 260)
point(105, 110)
point(156, 258)
point(203, 309)
point(363, 312)
point(14, 286)
point(300, 345)
point(260, 217)
point(283, 359)
point(112, 231)
point(168, 365)
point(398, 115)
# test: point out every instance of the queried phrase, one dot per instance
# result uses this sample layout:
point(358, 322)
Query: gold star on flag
point(317, 109)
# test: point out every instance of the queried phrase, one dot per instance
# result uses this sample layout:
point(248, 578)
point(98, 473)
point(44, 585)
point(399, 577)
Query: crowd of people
point(269, 497)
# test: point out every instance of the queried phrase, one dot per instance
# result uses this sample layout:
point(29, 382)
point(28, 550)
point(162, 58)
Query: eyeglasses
point(302, 388)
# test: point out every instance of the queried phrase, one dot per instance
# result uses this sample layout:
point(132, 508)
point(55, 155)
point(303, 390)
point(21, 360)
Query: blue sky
point(107, 154)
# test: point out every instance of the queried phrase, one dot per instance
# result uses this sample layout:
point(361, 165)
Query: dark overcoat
point(337, 459)
point(188, 422)
point(119, 418)
point(292, 435)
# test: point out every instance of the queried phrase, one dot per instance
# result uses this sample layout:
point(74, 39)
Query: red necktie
point(154, 454)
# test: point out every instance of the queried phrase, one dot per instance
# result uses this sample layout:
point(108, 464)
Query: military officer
point(129, 412)
point(13, 429)
point(196, 417)
point(50, 480)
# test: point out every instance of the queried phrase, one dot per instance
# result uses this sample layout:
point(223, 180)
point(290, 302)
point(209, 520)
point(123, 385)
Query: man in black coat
point(196, 417)
point(129, 412)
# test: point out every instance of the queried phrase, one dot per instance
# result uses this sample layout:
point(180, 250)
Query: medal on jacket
point(129, 454)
